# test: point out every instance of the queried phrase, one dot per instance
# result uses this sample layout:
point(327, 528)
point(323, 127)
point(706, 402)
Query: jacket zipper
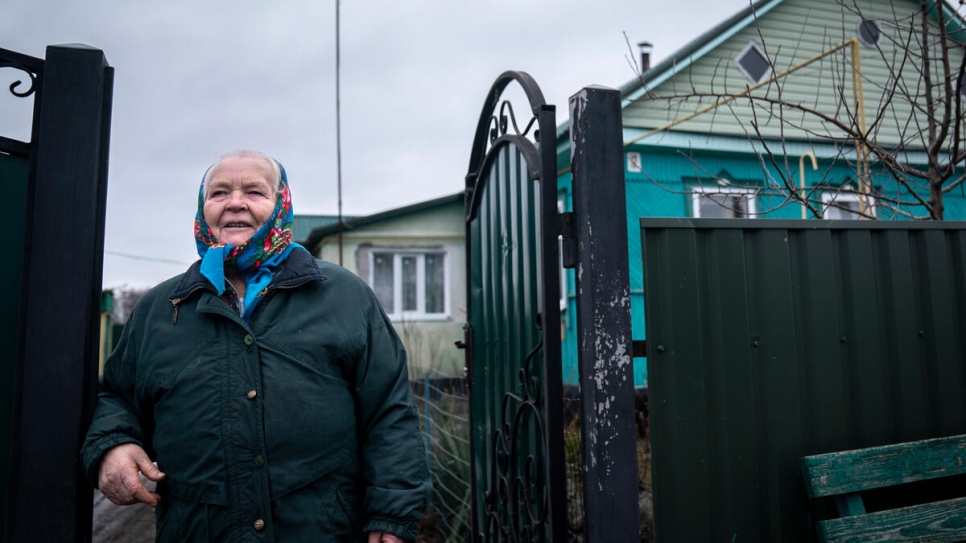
point(176, 301)
point(271, 291)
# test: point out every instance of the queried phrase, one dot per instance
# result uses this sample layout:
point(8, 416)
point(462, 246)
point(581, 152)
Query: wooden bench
point(845, 475)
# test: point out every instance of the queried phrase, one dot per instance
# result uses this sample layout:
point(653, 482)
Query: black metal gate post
point(60, 300)
point(608, 440)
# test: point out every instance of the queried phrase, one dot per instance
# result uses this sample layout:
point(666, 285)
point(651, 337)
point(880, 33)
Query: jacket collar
point(300, 267)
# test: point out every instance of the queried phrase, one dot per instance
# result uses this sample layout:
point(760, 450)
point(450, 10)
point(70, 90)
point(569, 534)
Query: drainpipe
point(801, 177)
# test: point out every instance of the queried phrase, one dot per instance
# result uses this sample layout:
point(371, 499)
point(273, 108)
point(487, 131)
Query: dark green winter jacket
point(297, 427)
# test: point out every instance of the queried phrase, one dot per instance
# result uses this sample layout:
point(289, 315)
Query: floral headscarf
point(257, 257)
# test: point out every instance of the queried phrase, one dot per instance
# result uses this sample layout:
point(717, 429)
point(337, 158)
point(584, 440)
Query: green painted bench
point(845, 475)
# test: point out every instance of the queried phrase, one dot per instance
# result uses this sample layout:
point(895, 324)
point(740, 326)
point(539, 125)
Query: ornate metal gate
point(513, 331)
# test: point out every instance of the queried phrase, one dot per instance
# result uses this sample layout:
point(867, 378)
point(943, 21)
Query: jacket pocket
point(350, 501)
point(181, 521)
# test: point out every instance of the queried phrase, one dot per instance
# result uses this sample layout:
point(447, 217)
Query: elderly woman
point(269, 387)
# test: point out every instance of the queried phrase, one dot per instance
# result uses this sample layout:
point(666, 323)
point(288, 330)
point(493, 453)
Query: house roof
point(303, 225)
point(683, 57)
point(698, 47)
point(695, 49)
point(348, 223)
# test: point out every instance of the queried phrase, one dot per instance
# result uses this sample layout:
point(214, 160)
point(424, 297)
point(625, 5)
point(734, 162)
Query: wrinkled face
point(241, 197)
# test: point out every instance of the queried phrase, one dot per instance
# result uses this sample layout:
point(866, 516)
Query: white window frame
point(760, 51)
point(846, 196)
point(697, 193)
point(397, 255)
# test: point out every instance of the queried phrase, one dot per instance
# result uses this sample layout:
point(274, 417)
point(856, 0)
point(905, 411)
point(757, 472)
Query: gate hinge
point(639, 348)
point(568, 246)
point(467, 345)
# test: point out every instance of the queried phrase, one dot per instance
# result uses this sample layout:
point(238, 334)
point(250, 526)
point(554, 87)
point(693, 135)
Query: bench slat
point(889, 465)
point(939, 522)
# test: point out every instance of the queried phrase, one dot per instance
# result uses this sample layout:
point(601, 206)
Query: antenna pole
point(338, 127)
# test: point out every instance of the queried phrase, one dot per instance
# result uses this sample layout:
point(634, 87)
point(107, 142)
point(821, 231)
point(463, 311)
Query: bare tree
point(888, 101)
point(125, 298)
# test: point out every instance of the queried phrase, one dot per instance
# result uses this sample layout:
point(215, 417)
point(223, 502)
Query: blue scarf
point(258, 257)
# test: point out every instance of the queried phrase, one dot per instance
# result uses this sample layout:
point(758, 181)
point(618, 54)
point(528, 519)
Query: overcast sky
point(195, 79)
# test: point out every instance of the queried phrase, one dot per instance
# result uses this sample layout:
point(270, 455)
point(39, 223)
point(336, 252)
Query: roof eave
point(318, 234)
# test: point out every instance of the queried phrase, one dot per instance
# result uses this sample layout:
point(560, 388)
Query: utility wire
point(147, 258)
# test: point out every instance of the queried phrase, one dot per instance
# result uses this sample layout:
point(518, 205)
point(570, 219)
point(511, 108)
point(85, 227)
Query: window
point(754, 63)
point(720, 203)
point(410, 284)
point(869, 33)
point(634, 162)
point(847, 205)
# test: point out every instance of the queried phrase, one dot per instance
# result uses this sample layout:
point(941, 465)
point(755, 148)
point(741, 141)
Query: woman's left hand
point(383, 537)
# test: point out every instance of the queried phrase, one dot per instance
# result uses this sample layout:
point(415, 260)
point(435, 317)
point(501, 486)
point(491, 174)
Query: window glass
point(869, 33)
point(723, 205)
point(719, 205)
point(753, 63)
point(846, 206)
point(382, 275)
point(838, 213)
point(435, 283)
point(409, 283)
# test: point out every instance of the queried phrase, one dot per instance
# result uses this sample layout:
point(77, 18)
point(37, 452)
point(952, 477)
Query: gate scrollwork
point(519, 506)
point(26, 64)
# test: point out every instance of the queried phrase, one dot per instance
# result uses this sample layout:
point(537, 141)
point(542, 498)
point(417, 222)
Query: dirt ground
point(121, 524)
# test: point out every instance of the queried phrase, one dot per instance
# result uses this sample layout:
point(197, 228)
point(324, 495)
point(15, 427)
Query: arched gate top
point(493, 130)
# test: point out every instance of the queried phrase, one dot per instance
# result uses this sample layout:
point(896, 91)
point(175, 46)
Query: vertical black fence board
point(900, 334)
point(13, 208)
point(686, 513)
point(608, 438)
point(548, 292)
point(61, 297)
point(778, 361)
point(939, 335)
point(736, 459)
point(655, 274)
point(819, 337)
point(861, 341)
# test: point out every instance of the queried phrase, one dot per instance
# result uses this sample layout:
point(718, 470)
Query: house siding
point(663, 189)
point(791, 33)
point(429, 343)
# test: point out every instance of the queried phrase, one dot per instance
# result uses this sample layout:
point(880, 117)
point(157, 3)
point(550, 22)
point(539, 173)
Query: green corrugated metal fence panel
point(770, 340)
point(506, 290)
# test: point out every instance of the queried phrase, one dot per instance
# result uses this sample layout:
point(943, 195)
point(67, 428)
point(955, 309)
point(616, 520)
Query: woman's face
point(241, 197)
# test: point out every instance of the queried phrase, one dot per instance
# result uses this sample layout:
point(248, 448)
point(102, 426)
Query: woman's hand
point(118, 476)
point(383, 537)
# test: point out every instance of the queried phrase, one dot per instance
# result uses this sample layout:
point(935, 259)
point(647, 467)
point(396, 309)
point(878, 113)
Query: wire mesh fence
point(573, 459)
point(444, 415)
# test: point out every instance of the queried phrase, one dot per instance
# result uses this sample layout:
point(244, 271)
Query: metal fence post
point(60, 302)
point(608, 439)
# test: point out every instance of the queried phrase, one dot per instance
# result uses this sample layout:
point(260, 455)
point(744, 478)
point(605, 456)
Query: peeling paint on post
point(604, 318)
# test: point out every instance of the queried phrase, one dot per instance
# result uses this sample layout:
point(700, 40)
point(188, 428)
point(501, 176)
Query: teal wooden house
point(792, 109)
